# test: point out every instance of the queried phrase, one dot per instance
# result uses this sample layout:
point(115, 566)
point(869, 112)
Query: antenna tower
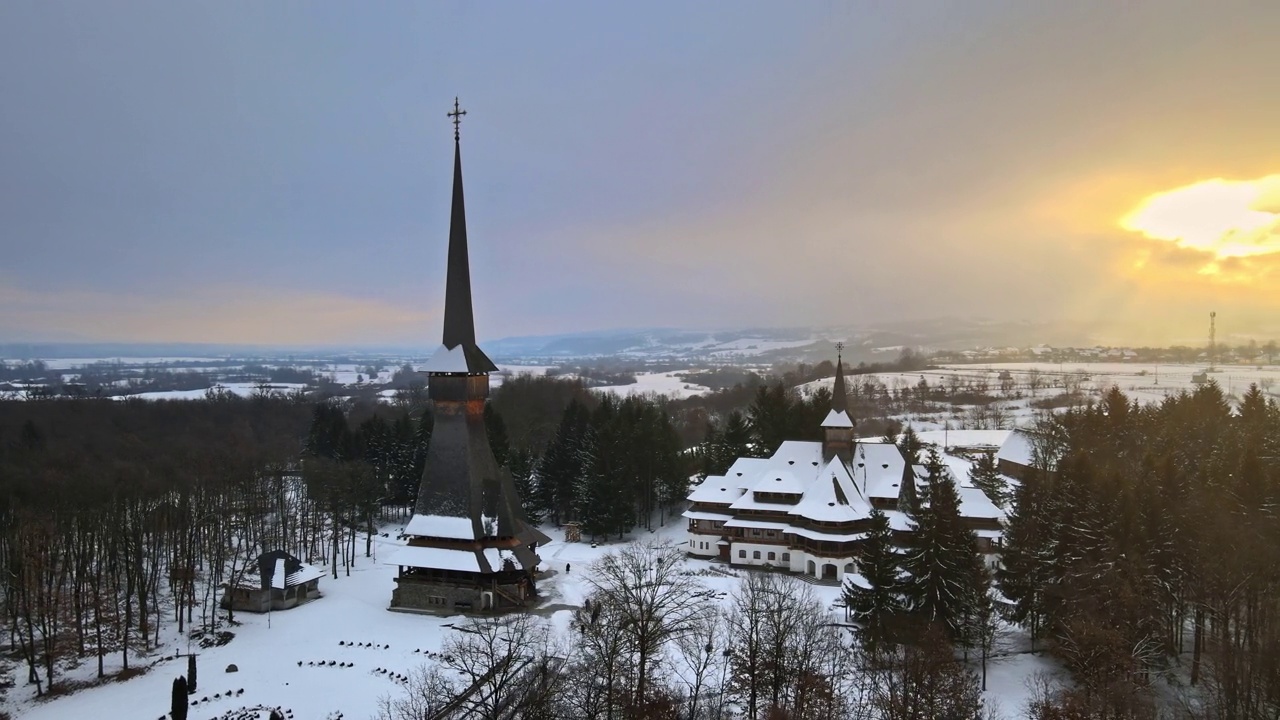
point(1213, 341)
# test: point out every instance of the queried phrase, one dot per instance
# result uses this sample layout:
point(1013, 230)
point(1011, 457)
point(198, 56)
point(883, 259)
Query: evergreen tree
point(560, 468)
point(875, 603)
point(669, 467)
point(592, 496)
point(771, 419)
point(497, 432)
point(944, 569)
point(523, 468)
point(910, 444)
point(329, 436)
point(1025, 560)
point(178, 699)
point(985, 475)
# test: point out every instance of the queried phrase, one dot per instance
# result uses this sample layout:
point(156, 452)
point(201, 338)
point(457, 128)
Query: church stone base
point(420, 596)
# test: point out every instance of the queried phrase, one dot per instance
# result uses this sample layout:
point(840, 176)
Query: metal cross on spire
point(839, 348)
point(457, 114)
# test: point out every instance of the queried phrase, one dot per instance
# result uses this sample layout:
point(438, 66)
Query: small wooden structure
point(573, 532)
point(282, 581)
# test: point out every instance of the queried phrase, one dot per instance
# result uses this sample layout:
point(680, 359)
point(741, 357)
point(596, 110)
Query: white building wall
point(738, 548)
point(845, 565)
point(702, 545)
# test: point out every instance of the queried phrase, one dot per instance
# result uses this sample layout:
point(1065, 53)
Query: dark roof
point(267, 565)
point(839, 396)
point(459, 320)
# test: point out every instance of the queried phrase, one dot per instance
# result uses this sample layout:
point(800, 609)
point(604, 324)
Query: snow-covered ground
point(241, 389)
point(663, 383)
point(1146, 383)
point(267, 650)
point(69, 363)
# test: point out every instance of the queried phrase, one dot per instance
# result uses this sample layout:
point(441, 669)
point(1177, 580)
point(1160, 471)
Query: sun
point(1223, 218)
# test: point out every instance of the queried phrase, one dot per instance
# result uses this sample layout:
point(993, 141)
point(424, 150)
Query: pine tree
point(944, 569)
point(496, 429)
point(523, 468)
point(1025, 560)
point(985, 475)
point(592, 493)
point(560, 468)
point(178, 699)
point(875, 604)
point(910, 444)
point(771, 419)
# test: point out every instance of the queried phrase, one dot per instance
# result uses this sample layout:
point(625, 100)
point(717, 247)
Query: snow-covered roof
point(1017, 448)
point(832, 497)
point(436, 558)
point(898, 520)
point(716, 489)
point(975, 504)
point(497, 558)
point(830, 537)
point(877, 468)
point(743, 471)
point(837, 419)
point(444, 360)
point(700, 515)
point(757, 524)
point(304, 574)
point(441, 526)
point(778, 480)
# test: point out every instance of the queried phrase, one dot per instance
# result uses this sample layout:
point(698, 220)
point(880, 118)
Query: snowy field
point(1144, 382)
point(70, 363)
point(241, 389)
point(267, 649)
point(649, 383)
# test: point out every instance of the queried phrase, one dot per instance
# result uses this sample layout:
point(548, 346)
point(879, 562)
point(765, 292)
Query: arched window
point(771, 556)
point(786, 557)
point(742, 554)
point(755, 555)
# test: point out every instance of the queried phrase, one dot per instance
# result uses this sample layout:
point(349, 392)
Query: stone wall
point(444, 598)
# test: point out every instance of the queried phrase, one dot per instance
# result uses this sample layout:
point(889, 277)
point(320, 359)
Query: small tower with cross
point(837, 428)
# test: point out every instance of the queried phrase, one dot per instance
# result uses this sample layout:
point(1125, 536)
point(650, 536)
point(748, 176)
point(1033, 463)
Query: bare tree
point(654, 600)
point(925, 681)
point(426, 693)
point(701, 655)
point(497, 657)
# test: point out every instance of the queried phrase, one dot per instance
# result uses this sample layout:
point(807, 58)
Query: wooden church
point(470, 546)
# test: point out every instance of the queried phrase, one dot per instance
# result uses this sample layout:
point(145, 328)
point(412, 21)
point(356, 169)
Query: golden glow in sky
point(1223, 218)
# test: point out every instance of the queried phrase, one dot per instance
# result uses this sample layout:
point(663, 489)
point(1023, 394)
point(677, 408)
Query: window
point(786, 557)
point(771, 555)
point(435, 600)
point(742, 554)
point(755, 555)
point(755, 532)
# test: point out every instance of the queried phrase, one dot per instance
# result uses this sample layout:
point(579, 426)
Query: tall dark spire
point(839, 396)
point(459, 319)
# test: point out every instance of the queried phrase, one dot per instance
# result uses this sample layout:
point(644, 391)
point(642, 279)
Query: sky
point(279, 173)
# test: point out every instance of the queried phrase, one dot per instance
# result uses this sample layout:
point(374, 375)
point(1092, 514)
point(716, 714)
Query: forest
point(1144, 553)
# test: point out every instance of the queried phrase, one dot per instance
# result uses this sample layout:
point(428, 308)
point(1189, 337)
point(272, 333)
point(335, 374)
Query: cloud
point(1223, 219)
